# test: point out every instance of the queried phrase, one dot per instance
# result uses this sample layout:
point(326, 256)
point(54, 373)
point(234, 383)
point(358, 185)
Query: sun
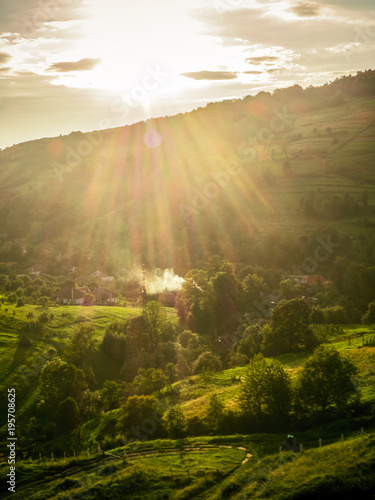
point(130, 42)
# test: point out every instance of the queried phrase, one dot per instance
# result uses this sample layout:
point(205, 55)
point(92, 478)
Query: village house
point(167, 299)
point(105, 296)
point(36, 269)
point(312, 280)
point(70, 295)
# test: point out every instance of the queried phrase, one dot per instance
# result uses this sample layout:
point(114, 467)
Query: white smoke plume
point(163, 280)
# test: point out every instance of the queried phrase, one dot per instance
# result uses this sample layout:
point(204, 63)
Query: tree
point(89, 299)
point(252, 287)
point(251, 343)
point(215, 414)
point(290, 324)
point(68, 415)
point(114, 345)
point(194, 302)
point(91, 404)
point(60, 380)
point(207, 360)
point(20, 303)
point(170, 373)
point(82, 345)
point(324, 382)
point(225, 297)
point(290, 289)
point(155, 321)
point(266, 390)
point(174, 423)
point(30, 316)
point(141, 415)
point(149, 380)
point(111, 395)
point(369, 317)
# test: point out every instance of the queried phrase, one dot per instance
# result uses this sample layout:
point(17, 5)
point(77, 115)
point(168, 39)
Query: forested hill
point(241, 178)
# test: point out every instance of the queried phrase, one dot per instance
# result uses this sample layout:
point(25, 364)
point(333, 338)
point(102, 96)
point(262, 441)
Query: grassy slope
point(21, 367)
point(195, 391)
point(207, 468)
point(266, 475)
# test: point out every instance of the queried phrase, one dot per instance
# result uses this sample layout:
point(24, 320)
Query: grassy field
point(207, 468)
point(204, 467)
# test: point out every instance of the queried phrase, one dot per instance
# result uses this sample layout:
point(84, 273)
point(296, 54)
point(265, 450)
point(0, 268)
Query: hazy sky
point(69, 65)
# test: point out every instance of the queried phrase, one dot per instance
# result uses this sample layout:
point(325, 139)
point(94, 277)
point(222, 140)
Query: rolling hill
point(171, 191)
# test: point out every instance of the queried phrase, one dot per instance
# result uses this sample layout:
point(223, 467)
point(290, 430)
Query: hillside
point(165, 192)
point(126, 378)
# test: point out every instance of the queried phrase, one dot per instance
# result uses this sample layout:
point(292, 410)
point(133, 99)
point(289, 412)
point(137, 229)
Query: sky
point(68, 65)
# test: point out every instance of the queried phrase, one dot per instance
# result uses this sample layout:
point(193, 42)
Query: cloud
point(306, 9)
point(259, 26)
point(210, 75)
point(27, 17)
point(272, 70)
point(4, 58)
point(261, 59)
point(357, 5)
point(81, 65)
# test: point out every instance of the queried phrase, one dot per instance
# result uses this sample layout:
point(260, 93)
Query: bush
point(207, 360)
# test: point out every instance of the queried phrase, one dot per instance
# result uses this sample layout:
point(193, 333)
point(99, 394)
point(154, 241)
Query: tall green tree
point(68, 415)
point(369, 317)
point(325, 383)
point(174, 423)
point(149, 380)
point(290, 325)
point(155, 322)
point(81, 346)
point(215, 414)
point(141, 417)
point(252, 287)
point(225, 300)
point(60, 380)
point(265, 390)
point(194, 302)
